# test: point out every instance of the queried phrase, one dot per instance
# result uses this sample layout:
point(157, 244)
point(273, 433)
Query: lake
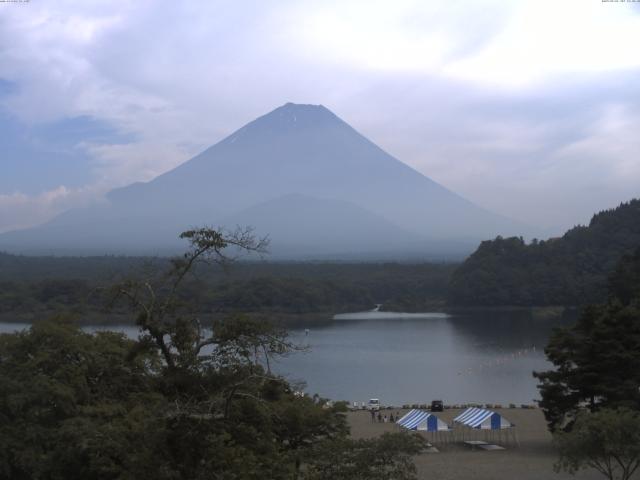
point(483, 357)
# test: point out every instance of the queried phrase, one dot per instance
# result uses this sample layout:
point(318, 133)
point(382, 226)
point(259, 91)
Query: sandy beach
point(533, 459)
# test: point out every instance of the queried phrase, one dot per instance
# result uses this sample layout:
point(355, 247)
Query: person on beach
point(373, 415)
point(384, 419)
point(379, 417)
point(391, 419)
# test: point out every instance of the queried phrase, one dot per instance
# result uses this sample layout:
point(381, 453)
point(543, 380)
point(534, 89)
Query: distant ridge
point(343, 180)
point(570, 270)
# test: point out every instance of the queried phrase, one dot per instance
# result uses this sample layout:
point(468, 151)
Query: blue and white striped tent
point(482, 419)
point(423, 421)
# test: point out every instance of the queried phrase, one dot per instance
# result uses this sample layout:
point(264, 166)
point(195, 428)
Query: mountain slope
point(571, 270)
point(305, 226)
point(294, 149)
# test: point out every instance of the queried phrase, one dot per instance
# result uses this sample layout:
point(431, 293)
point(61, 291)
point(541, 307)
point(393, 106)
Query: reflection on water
point(378, 315)
point(484, 357)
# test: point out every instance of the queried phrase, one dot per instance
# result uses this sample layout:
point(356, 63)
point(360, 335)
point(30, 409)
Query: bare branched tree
point(174, 326)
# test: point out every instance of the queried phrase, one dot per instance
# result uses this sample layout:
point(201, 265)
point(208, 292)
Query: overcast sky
point(530, 109)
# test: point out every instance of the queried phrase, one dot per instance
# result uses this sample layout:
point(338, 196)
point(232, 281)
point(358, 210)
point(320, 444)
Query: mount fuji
point(299, 174)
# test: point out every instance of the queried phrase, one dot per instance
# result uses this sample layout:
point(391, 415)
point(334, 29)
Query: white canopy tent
point(480, 419)
point(422, 421)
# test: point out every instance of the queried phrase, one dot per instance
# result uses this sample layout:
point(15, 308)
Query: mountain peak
point(297, 115)
point(302, 107)
point(308, 109)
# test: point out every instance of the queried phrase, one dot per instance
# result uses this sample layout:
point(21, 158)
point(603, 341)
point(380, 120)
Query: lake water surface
point(485, 357)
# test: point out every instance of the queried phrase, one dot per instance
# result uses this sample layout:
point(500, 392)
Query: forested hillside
point(36, 286)
point(570, 270)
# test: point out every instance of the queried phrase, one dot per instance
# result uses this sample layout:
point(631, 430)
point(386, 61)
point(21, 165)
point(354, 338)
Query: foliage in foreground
point(607, 440)
point(388, 457)
point(185, 401)
point(597, 360)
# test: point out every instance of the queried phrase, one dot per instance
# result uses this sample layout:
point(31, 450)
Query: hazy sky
point(531, 108)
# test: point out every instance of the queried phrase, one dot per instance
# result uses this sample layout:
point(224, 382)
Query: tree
point(165, 319)
point(72, 407)
point(607, 440)
point(597, 360)
point(569, 270)
point(384, 458)
point(186, 401)
point(624, 283)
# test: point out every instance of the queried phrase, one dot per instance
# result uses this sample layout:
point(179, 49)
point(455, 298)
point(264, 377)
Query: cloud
point(124, 164)
point(608, 152)
point(412, 36)
point(19, 211)
point(545, 38)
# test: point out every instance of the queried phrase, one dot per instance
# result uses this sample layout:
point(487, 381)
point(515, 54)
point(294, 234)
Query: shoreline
point(93, 318)
point(289, 319)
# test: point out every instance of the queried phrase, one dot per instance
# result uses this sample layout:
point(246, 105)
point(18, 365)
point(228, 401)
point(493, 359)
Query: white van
point(374, 404)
